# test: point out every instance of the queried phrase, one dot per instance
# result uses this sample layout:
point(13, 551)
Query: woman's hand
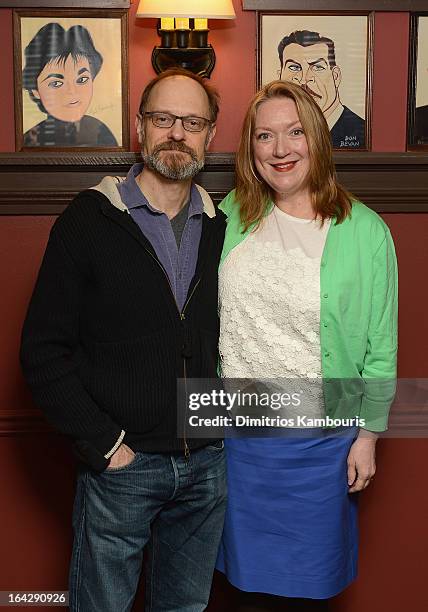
point(362, 461)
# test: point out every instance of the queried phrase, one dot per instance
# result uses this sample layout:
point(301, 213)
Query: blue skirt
point(291, 525)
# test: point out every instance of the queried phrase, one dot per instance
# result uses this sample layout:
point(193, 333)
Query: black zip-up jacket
point(104, 343)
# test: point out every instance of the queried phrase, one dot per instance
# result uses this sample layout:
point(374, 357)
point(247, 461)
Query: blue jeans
point(169, 505)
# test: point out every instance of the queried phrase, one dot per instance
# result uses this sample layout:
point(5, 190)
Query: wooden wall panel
point(45, 184)
point(335, 5)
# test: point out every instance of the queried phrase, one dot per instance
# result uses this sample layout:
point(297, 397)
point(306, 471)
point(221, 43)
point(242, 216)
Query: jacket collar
point(108, 187)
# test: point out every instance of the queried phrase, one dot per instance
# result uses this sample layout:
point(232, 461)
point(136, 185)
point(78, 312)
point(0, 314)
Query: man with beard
point(125, 304)
point(308, 59)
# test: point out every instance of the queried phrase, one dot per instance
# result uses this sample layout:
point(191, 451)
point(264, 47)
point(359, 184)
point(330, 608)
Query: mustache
point(175, 146)
point(309, 91)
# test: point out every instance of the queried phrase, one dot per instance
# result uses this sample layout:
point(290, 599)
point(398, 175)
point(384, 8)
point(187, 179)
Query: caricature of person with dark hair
point(309, 59)
point(60, 67)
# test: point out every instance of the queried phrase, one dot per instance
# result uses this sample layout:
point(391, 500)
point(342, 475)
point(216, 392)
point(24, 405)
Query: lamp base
point(200, 61)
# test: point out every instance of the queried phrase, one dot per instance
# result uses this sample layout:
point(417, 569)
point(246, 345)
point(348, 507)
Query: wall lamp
point(183, 28)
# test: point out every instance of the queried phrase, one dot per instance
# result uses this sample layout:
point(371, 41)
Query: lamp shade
point(211, 9)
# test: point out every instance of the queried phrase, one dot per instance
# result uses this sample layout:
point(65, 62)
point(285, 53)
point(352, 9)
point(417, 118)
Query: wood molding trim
point(86, 4)
point(44, 184)
point(351, 6)
point(20, 422)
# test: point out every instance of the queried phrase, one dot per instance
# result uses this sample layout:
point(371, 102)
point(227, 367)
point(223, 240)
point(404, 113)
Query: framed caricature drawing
point(417, 126)
point(330, 56)
point(70, 72)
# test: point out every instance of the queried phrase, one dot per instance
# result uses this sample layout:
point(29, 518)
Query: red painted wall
point(37, 470)
point(390, 72)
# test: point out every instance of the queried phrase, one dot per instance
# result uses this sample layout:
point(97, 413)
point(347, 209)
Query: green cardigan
point(358, 313)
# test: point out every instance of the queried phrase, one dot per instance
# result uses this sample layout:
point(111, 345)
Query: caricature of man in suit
point(308, 59)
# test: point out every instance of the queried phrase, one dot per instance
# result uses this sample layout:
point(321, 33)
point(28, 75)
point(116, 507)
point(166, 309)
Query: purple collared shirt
point(179, 263)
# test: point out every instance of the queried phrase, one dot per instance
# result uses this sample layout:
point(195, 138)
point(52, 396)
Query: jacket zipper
point(182, 317)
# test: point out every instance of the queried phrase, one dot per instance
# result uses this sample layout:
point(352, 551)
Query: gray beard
point(175, 169)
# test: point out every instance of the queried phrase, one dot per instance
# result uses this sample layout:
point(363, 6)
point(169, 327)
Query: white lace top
point(269, 301)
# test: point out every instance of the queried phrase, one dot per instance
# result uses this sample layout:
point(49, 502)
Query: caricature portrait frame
point(356, 55)
point(417, 111)
point(106, 120)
